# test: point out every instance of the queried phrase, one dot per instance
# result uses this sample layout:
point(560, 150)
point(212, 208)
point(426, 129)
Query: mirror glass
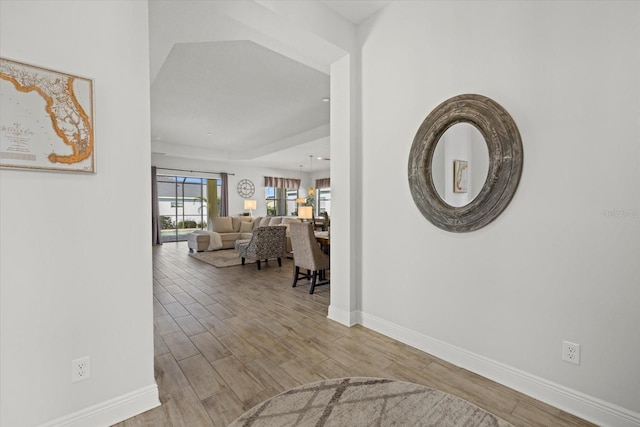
point(460, 164)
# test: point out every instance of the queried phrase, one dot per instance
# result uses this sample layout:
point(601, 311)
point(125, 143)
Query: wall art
point(47, 120)
point(460, 170)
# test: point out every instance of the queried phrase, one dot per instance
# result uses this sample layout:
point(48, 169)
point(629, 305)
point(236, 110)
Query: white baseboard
point(347, 318)
point(112, 411)
point(587, 407)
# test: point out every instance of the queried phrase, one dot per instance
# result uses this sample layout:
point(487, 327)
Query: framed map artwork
point(46, 119)
point(460, 176)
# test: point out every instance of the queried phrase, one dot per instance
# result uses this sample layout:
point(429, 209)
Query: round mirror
point(504, 168)
point(460, 164)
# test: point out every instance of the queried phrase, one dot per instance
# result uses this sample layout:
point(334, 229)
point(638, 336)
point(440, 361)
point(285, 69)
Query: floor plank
point(204, 379)
point(228, 338)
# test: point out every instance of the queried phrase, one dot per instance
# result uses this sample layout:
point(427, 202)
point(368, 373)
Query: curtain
point(224, 195)
point(212, 201)
point(323, 183)
point(155, 209)
point(288, 183)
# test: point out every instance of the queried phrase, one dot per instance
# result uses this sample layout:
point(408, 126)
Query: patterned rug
point(223, 258)
point(366, 402)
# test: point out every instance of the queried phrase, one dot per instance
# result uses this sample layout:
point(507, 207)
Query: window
point(183, 205)
point(281, 202)
point(274, 201)
point(324, 200)
point(291, 206)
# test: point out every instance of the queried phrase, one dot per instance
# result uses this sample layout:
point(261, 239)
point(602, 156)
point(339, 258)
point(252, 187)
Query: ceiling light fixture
point(326, 99)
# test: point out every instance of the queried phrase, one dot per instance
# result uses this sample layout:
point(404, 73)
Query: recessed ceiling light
point(325, 99)
point(208, 133)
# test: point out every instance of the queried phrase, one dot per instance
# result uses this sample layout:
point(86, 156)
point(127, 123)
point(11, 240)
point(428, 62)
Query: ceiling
point(356, 11)
point(237, 101)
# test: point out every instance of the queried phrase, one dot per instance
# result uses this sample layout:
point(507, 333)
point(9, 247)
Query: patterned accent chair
point(308, 255)
point(266, 242)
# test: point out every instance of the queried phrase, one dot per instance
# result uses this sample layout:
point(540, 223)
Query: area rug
point(366, 402)
point(223, 258)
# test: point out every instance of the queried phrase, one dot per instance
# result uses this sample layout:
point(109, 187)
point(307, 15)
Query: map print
point(46, 119)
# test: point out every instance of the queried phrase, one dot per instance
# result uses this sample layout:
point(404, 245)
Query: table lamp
point(305, 212)
point(250, 205)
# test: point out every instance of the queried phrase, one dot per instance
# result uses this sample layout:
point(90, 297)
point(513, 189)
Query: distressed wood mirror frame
point(505, 162)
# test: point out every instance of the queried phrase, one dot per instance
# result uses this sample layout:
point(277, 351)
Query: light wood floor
point(228, 338)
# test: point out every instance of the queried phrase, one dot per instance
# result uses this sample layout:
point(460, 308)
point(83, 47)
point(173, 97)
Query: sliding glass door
point(182, 205)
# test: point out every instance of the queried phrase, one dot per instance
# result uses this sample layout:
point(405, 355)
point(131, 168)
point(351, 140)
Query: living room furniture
point(229, 229)
point(200, 240)
point(308, 255)
point(266, 243)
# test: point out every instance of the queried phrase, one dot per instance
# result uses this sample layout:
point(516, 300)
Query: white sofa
point(226, 230)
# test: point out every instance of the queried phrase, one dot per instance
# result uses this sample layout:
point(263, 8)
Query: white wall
point(554, 265)
point(75, 279)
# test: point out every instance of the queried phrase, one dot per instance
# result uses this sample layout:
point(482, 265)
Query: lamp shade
point(305, 212)
point(250, 204)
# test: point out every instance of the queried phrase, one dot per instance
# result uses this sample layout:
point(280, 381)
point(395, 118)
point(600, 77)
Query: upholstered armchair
point(307, 255)
point(265, 243)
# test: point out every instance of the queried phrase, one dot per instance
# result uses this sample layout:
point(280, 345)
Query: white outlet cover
point(80, 369)
point(571, 352)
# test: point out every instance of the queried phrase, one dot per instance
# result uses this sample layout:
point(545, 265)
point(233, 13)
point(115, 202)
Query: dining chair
point(307, 255)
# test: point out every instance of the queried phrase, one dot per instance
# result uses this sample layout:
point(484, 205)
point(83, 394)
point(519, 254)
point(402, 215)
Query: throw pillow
point(222, 224)
point(246, 227)
point(276, 220)
point(265, 221)
point(237, 220)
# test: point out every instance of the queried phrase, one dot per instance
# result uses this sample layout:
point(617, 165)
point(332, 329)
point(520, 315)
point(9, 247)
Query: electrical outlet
point(571, 352)
point(80, 369)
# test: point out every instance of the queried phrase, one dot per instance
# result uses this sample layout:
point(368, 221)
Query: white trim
point(112, 411)
point(587, 407)
point(345, 317)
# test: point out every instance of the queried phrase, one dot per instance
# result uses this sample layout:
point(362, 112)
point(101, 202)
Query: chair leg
point(313, 282)
point(279, 262)
point(242, 260)
point(258, 262)
point(295, 276)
